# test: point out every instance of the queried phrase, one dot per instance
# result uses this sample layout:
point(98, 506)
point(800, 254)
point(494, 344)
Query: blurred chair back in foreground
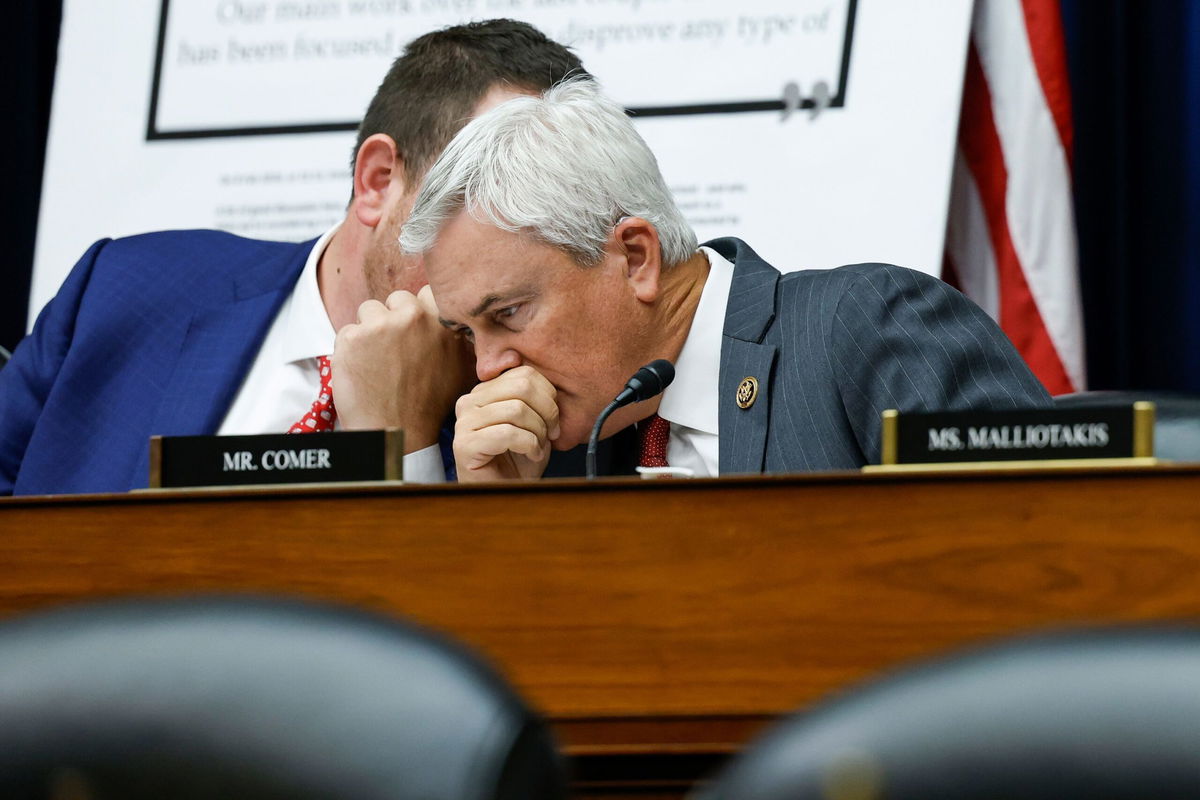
point(239, 698)
point(1112, 714)
point(1176, 418)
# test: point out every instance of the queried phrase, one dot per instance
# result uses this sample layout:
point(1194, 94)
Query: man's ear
point(636, 241)
point(378, 173)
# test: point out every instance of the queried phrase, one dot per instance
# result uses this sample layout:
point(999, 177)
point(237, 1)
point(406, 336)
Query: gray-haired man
point(551, 240)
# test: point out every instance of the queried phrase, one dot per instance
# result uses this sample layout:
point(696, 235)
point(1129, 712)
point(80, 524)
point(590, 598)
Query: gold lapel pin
point(747, 392)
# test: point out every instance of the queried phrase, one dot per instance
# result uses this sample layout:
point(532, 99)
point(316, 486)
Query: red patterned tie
point(653, 433)
point(322, 415)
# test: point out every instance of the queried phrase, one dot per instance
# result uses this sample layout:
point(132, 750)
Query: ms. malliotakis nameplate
point(1032, 437)
point(340, 456)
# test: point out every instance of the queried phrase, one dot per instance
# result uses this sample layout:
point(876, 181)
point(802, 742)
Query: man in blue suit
point(582, 269)
point(200, 332)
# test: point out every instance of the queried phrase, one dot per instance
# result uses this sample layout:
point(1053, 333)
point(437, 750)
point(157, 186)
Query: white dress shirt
point(283, 381)
point(690, 403)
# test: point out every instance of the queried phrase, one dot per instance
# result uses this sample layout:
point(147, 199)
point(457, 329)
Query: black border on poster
point(154, 134)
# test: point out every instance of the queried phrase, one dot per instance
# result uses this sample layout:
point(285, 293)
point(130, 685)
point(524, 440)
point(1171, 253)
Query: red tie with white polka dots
point(653, 433)
point(322, 415)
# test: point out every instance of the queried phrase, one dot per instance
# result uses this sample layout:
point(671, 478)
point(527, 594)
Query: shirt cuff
point(425, 466)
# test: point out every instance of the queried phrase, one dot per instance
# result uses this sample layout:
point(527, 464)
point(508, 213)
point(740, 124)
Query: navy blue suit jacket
point(148, 335)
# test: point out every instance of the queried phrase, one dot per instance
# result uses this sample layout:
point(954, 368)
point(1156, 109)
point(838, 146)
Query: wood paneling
point(657, 619)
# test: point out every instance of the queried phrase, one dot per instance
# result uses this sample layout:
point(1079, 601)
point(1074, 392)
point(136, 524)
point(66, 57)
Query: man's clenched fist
point(505, 427)
point(397, 367)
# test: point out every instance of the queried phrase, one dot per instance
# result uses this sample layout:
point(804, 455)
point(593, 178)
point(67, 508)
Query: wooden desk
point(659, 625)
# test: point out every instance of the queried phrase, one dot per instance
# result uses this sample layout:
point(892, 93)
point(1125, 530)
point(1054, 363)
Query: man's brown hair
point(432, 89)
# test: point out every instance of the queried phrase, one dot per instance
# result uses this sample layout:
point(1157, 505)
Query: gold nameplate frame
point(276, 458)
point(1120, 435)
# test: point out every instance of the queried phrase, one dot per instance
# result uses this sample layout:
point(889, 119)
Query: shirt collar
point(692, 398)
point(310, 334)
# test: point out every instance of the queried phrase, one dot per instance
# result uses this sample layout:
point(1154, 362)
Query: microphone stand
point(647, 382)
point(594, 440)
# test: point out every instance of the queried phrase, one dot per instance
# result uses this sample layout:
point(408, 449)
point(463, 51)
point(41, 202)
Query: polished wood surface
point(653, 620)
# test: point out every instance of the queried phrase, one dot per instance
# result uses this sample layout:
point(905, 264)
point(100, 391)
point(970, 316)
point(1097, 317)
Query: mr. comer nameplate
point(340, 456)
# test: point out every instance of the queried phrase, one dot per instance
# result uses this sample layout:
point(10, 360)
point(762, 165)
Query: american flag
point(1010, 241)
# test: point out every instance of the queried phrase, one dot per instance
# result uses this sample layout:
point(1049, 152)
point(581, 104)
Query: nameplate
point(1027, 435)
point(335, 457)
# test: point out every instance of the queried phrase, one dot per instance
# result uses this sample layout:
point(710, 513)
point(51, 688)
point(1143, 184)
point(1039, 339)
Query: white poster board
point(821, 131)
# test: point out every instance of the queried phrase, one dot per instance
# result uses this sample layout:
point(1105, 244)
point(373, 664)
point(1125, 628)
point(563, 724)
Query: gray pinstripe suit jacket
point(832, 349)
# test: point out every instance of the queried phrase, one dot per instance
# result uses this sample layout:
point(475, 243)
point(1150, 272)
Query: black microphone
point(647, 382)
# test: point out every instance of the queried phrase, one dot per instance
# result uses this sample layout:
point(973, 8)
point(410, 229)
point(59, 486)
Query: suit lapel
point(220, 343)
point(748, 316)
point(215, 354)
point(743, 431)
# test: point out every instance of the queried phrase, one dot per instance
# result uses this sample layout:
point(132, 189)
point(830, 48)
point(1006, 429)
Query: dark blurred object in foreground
point(1104, 713)
point(241, 698)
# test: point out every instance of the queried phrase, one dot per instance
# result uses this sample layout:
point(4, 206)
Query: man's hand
point(397, 367)
point(505, 427)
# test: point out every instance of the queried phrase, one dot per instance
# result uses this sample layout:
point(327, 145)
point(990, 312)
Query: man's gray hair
point(565, 168)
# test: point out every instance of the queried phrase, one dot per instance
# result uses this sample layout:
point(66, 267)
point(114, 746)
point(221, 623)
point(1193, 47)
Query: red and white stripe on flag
point(1010, 240)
